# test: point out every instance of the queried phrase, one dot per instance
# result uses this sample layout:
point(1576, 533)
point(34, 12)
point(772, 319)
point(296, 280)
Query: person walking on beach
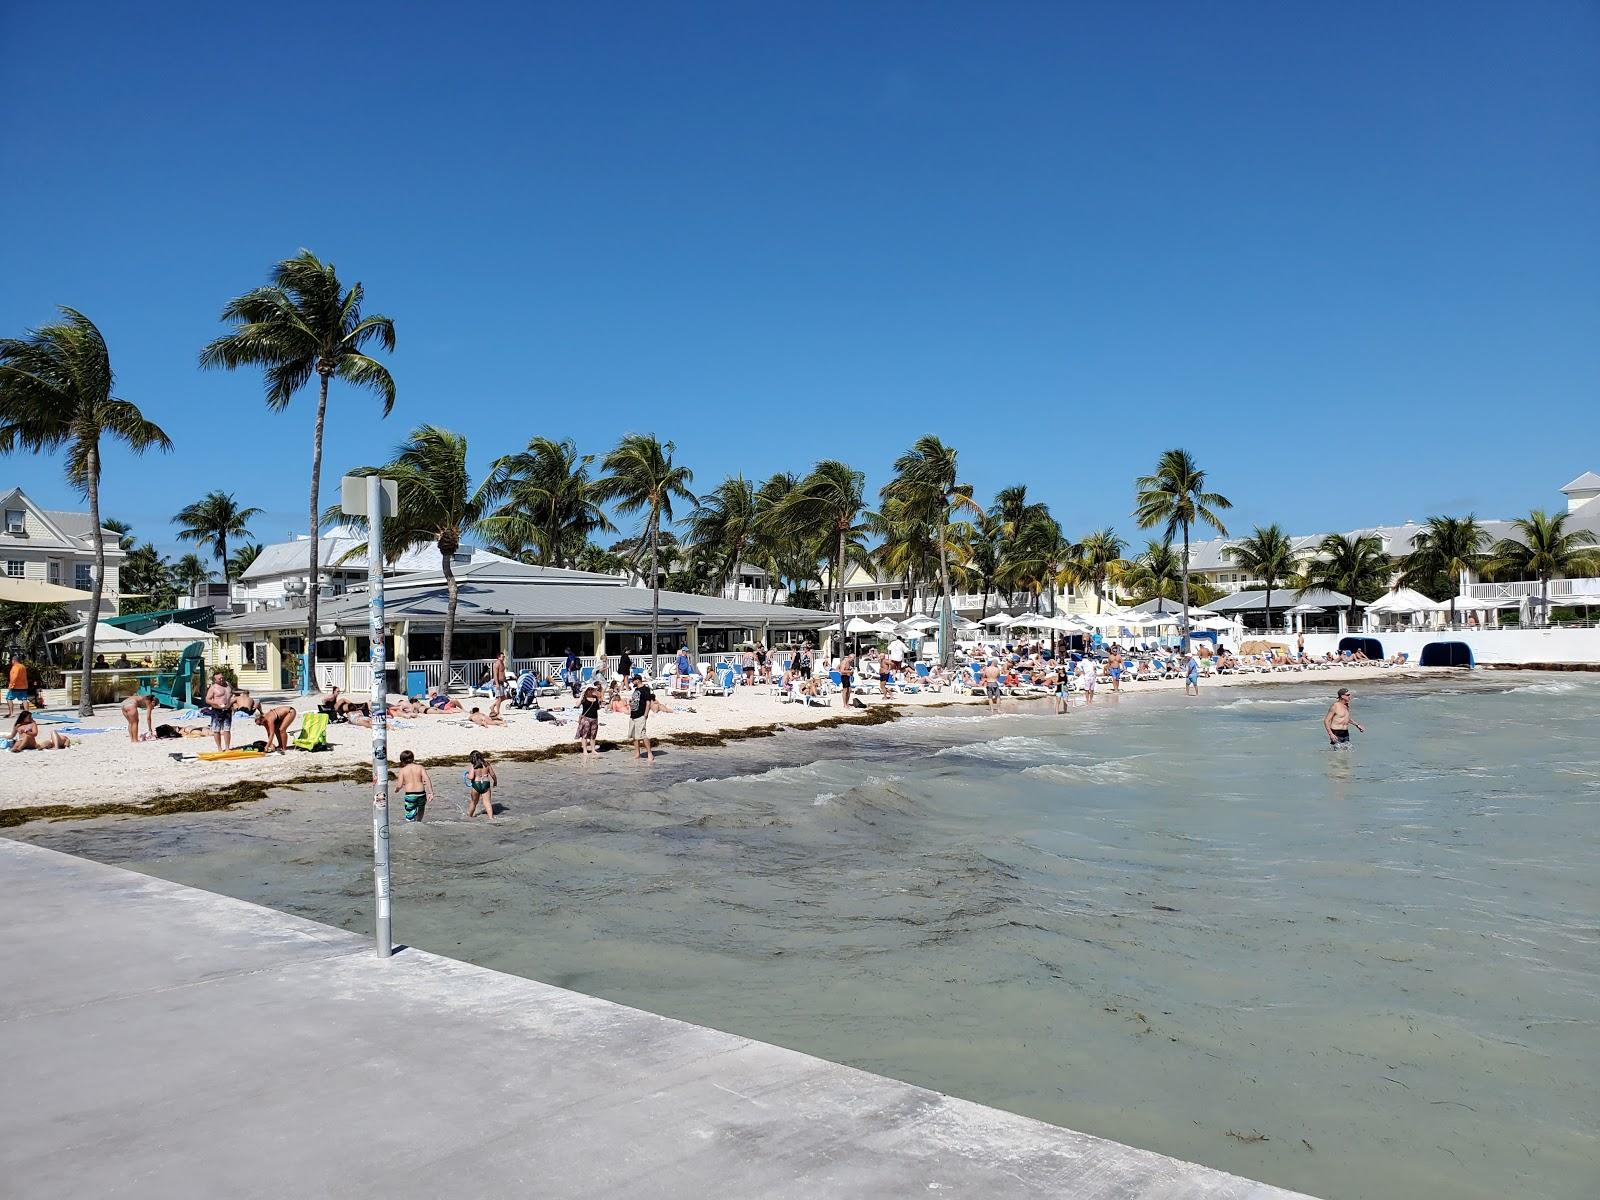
point(497, 676)
point(847, 671)
point(481, 782)
point(1300, 647)
point(1337, 721)
point(219, 699)
point(16, 685)
point(639, 720)
point(683, 666)
point(573, 669)
point(589, 720)
point(1057, 680)
point(1191, 675)
point(624, 666)
point(802, 660)
point(132, 707)
point(991, 683)
point(276, 722)
point(415, 786)
point(1087, 671)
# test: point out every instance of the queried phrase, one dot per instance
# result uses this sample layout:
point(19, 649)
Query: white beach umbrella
point(917, 621)
point(860, 625)
point(886, 626)
point(996, 621)
point(103, 635)
point(170, 636)
point(1213, 624)
point(1405, 600)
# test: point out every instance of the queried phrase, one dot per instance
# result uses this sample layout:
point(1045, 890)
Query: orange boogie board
point(223, 755)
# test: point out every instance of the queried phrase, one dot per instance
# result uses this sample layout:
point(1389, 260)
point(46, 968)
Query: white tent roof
point(860, 625)
point(170, 636)
point(1404, 600)
point(997, 620)
point(104, 635)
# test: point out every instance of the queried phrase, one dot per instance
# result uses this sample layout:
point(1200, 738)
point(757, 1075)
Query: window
point(14, 568)
point(16, 521)
point(256, 655)
point(895, 595)
point(55, 572)
point(83, 577)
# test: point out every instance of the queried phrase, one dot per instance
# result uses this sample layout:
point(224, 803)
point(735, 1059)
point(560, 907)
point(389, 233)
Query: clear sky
point(1347, 254)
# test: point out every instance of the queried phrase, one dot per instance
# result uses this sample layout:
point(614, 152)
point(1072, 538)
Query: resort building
point(534, 615)
point(281, 572)
point(874, 594)
point(57, 547)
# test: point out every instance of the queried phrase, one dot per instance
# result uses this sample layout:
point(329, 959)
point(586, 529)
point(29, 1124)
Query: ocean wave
point(1249, 702)
point(1114, 770)
point(1013, 749)
point(1559, 688)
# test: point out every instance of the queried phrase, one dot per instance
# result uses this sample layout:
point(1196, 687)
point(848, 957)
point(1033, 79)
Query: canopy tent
point(104, 635)
point(1404, 600)
point(1171, 608)
point(37, 591)
point(1473, 604)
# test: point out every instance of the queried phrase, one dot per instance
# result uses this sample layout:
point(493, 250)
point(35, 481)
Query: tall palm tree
point(926, 481)
point(1267, 554)
point(1544, 548)
point(1175, 497)
point(982, 540)
point(146, 580)
point(550, 502)
point(824, 509)
point(723, 529)
point(242, 558)
point(1155, 572)
point(1354, 564)
point(640, 477)
point(435, 503)
point(906, 549)
point(1014, 512)
point(189, 573)
point(1097, 560)
point(210, 521)
point(305, 322)
point(1448, 547)
point(55, 391)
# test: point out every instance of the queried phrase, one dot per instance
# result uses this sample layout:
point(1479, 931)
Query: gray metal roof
point(292, 558)
point(543, 605)
point(1281, 598)
point(1583, 483)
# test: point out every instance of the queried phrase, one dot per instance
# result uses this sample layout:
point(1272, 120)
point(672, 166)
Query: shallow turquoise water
point(1187, 925)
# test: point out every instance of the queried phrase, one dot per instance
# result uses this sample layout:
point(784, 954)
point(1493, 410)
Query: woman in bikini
point(276, 722)
point(25, 735)
point(481, 782)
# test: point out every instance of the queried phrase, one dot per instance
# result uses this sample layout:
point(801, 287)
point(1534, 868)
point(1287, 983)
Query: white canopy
point(1214, 624)
point(886, 626)
point(37, 591)
point(1473, 604)
point(996, 621)
point(860, 625)
point(170, 636)
point(917, 621)
point(1306, 609)
point(1404, 600)
point(104, 635)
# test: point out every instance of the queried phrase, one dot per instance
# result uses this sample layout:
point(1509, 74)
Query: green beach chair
point(313, 733)
point(175, 688)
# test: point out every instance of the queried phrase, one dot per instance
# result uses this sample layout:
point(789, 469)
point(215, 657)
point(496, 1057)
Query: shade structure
point(860, 625)
point(1303, 610)
point(998, 620)
point(1213, 624)
point(104, 635)
point(1405, 600)
point(170, 636)
point(36, 591)
point(917, 621)
point(886, 625)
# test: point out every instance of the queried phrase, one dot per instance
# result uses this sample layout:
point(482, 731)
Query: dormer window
point(16, 520)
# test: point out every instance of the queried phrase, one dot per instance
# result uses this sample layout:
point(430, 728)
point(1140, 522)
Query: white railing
point(1560, 589)
point(333, 674)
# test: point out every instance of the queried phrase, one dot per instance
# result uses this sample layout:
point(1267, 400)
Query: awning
point(104, 635)
point(36, 591)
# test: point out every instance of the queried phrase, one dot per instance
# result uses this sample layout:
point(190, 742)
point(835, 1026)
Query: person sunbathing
point(484, 719)
point(408, 708)
point(25, 735)
point(439, 702)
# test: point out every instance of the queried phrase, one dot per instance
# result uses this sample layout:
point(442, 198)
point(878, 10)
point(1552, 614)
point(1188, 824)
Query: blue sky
point(1346, 254)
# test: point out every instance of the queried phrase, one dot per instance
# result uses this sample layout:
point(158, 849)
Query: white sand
point(108, 768)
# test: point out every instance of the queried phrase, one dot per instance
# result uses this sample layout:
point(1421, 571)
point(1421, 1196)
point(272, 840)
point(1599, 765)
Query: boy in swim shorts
point(414, 784)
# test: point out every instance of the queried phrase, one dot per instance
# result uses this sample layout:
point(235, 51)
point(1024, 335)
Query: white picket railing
point(1560, 589)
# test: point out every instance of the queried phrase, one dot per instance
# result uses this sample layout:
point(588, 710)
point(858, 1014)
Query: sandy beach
point(106, 769)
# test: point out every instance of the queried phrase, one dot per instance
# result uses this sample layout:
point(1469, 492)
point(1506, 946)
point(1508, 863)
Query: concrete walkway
point(166, 1042)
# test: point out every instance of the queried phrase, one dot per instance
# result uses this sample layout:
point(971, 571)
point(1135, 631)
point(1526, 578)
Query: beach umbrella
point(102, 633)
point(885, 626)
point(1214, 624)
point(860, 625)
point(169, 636)
point(1405, 600)
point(997, 621)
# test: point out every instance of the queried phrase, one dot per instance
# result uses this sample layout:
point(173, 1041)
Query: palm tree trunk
point(983, 610)
point(1269, 608)
point(838, 589)
point(947, 618)
point(222, 552)
point(1185, 617)
point(309, 667)
point(85, 699)
point(655, 590)
point(450, 591)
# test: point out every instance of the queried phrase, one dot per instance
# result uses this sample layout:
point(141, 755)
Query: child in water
point(481, 782)
point(414, 784)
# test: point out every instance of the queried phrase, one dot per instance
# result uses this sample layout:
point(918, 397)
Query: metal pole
point(380, 713)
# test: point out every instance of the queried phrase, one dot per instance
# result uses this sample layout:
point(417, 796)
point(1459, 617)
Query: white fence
point(1561, 590)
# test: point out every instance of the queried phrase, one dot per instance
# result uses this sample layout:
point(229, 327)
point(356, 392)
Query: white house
point(280, 572)
point(57, 547)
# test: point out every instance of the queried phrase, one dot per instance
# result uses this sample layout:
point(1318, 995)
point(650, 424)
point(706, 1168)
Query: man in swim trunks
point(219, 699)
point(1088, 669)
point(991, 683)
point(1191, 675)
point(1337, 721)
point(847, 672)
point(132, 707)
point(16, 686)
point(412, 779)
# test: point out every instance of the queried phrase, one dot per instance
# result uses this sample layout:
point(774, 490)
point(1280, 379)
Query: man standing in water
point(1338, 720)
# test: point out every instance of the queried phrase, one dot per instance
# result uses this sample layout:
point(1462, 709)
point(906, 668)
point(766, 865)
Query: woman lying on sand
point(25, 735)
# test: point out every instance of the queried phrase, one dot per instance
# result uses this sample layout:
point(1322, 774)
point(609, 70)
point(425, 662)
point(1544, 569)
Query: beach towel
point(313, 733)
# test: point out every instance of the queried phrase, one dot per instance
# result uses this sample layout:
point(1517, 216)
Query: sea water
point(1186, 924)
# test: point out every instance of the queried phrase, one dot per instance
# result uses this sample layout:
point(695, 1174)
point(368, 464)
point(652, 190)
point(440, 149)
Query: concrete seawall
point(167, 1042)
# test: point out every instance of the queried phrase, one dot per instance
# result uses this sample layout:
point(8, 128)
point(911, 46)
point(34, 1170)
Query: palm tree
point(122, 529)
point(1175, 497)
point(1014, 513)
point(1155, 573)
point(1354, 564)
point(1447, 547)
point(306, 322)
point(210, 521)
point(824, 509)
point(982, 539)
point(723, 529)
point(242, 558)
point(640, 477)
point(55, 391)
point(1544, 549)
point(189, 573)
point(435, 502)
point(926, 482)
point(550, 503)
point(1098, 559)
point(146, 580)
point(1267, 554)
point(906, 548)
point(600, 561)
point(27, 627)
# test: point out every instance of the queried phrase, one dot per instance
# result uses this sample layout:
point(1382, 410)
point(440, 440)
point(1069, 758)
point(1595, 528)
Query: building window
point(14, 568)
point(55, 572)
point(16, 521)
point(83, 576)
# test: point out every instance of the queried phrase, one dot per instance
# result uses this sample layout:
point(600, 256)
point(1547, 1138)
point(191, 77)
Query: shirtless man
point(485, 719)
point(219, 699)
point(131, 707)
point(847, 672)
point(276, 722)
point(991, 683)
point(1337, 722)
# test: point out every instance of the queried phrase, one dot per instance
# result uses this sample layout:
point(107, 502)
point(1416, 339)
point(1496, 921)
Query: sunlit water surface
point(1187, 925)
